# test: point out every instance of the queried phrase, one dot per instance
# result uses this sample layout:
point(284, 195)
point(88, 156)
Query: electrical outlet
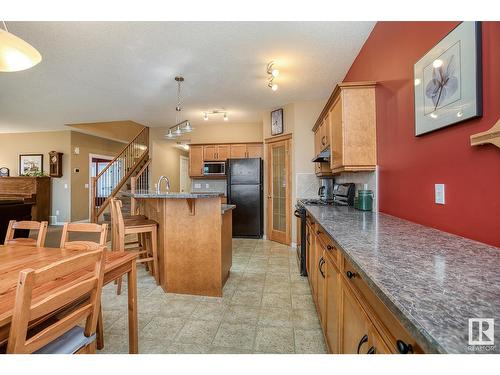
point(65, 186)
point(207, 186)
point(439, 193)
point(197, 186)
point(57, 212)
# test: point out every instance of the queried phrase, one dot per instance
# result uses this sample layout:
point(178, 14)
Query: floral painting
point(447, 80)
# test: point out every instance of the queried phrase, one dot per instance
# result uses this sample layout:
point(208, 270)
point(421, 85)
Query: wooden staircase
point(129, 170)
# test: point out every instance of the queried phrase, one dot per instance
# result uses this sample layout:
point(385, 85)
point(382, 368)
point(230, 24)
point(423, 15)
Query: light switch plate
point(86, 186)
point(439, 193)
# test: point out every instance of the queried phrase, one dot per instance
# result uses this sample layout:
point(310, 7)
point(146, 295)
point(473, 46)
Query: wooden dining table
point(14, 259)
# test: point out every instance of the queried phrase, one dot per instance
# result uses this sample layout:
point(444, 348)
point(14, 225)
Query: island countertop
point(431, 280)
point(169, 195)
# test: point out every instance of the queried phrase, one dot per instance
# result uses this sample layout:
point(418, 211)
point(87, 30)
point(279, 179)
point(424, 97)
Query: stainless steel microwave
point(214, 168)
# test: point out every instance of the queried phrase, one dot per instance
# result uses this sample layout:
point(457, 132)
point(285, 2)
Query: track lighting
point(216, 112)
point(273, 73)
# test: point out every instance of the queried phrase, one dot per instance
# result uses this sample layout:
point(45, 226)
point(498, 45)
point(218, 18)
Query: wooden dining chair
point(100, 230)
point(145, 228)
point(72, 279)
point(14, 225)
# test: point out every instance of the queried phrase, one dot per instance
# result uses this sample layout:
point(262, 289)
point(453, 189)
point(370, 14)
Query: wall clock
point(55, 163)
point(277, 122)
point(4, 172)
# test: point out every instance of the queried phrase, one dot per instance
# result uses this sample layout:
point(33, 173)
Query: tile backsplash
point(307, 185)
point(361, 178)
point(203, 185)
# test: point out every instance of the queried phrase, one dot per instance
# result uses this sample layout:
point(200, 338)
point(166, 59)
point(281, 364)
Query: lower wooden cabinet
point(354, 320)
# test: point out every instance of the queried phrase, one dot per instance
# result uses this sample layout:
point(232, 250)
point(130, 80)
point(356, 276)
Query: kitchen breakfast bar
point(194, 239)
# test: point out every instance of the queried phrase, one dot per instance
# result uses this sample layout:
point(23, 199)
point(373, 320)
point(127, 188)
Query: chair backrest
point(41, 227)
point(117, 224)
point(98, 229)
point(78, 278)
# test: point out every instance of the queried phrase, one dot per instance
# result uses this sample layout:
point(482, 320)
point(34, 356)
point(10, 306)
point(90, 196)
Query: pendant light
point(180, 127)
point(15, 53)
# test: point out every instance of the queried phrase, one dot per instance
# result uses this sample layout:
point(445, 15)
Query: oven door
point(214, 169)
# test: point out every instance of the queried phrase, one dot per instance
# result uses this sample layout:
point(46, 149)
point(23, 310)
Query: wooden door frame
point(186, 158)
point(287, 140)
point(92, 156)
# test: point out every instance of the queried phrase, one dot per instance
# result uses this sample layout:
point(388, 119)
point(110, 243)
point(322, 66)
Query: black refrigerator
point(245, 190)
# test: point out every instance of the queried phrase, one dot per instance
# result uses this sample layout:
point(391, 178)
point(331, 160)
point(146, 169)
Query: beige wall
point(11, 145)
point(88, 144)
point(165, 156)
point(123, 131)
point(224, 132)
point(298, 119)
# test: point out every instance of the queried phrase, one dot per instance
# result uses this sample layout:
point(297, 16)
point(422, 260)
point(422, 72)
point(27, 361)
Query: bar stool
point(141, 227)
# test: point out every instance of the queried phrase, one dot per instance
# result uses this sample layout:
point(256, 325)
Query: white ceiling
point(105, 71)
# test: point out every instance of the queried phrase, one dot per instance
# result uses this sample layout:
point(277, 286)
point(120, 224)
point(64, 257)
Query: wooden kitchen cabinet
point(196, 161)
point(355, 324)
point(332, 305)
point(255, 151)
point(321, 285)
point(238, 151)
point(216, 152)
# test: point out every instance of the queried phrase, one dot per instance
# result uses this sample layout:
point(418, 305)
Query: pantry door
point(279, 190)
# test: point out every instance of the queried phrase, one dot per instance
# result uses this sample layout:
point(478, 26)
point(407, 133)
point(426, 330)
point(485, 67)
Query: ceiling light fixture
point(180, 127)
point(216, 112)
point(272, 74)
point(15, 53)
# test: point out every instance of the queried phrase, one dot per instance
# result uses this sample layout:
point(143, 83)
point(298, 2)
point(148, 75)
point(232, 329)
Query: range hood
point(324, 156)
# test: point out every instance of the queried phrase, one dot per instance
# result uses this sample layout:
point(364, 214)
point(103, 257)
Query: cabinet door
point(313, 265)
point(376, 345)
point(209, 152)
point(317, 141)
point(238, 151)
point(355, 324)
point(332, 305)
point(337, 136)
point(308, 251)
point(321, 276)
point(196, 161)
point(223, 152)
point(326, 130)
point(254, 151)
point(323, 133)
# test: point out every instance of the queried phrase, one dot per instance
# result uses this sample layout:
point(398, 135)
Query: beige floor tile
point(309, 341)
point(306, 319)
point(188, 348)
point(237, 314)
point(209, 311)
point(197, 332)
point(282, 300)
point(274, 340)
point(302, 302)
point(276, 317)
point(235, 336)
point(247, 298)
point(222, 350)
point(162, 327)
point(178, 308)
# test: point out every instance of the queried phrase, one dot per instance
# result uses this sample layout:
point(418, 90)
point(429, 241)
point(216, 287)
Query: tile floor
point(266, 307)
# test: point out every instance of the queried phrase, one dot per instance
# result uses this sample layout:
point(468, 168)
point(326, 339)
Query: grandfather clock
point(55, 163)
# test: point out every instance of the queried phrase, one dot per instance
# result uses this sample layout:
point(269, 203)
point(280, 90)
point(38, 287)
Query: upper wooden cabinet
point(216, 152)
point(243, 151)
point(196, 161)
point(347, 125)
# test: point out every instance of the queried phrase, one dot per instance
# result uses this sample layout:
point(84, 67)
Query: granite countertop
point(171, 195)
point(431, 280)
point(227, 207)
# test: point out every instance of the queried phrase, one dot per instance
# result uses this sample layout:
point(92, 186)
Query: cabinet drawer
point(331, 249)
point(388, 326)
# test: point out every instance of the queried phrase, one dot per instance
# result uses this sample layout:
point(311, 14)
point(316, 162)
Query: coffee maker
point(325, 191)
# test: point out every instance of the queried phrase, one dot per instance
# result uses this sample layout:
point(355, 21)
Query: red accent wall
point(409, 166)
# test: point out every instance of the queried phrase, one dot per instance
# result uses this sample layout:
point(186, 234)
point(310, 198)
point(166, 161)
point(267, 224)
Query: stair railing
point(110, 180)
point(139, 182)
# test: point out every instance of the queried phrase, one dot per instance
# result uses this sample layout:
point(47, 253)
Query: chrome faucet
point(158, 186)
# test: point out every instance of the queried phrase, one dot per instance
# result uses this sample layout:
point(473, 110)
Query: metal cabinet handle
point(403, 347)
point(371, 350)
point(362, 341)
point(318, 232)
point(296, 213)
point(350, 274)
point(329, 247)
point(320, 265)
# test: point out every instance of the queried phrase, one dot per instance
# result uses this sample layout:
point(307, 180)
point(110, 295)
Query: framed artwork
point(30, 164)
point(448, 80)
point(277, 121)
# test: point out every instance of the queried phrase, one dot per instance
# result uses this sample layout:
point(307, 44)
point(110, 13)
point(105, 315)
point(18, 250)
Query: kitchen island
point(194, 239)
